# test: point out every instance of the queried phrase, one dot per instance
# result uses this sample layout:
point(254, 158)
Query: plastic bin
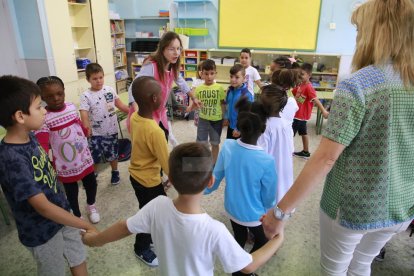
point(198, 31)
point(189, 53)
point(191, 60)
point(191, 67)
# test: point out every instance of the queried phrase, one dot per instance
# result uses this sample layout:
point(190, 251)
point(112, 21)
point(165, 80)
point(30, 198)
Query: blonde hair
point(385, 33)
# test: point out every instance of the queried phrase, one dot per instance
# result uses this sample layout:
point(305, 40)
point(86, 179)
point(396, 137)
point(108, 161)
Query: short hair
point(237, 68)
point(208, 65)
point(190, 168)
point(46, 81)
point(307, 67)
point(15, 94)
point(142, 89)
point(251, 120)
point(246, 50)
point(283, 62)
point(93, 68)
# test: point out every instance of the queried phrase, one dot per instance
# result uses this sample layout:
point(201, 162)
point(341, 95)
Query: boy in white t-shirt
point(252, 75)
point(187, 240)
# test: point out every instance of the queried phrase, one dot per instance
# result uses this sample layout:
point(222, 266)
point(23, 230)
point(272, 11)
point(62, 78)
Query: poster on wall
point(269, 24)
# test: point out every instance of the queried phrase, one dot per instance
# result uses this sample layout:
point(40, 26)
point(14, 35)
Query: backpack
point(124, 149)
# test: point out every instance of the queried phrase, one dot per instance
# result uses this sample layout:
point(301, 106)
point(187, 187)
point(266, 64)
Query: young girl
point(250, 175)
point(277, 140)
point(66, 135)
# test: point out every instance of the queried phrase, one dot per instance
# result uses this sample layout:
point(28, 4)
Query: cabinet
point(78, 30)
point(189, 61)
point(194, 19)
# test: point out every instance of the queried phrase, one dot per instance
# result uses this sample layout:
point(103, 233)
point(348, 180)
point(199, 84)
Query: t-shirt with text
point(211, 97)
point(25, 171)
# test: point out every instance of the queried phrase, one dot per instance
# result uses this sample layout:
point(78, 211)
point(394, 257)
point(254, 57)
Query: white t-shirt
point(252, 75)
point(101, 108)
point(290, 109)
point(187, 244)
point(277, 140)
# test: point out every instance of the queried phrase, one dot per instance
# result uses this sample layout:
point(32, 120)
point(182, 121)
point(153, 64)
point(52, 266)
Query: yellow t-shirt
point(211, 97)
point(149, 151)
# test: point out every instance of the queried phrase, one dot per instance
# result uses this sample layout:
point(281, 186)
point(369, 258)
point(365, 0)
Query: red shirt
point(304, 95)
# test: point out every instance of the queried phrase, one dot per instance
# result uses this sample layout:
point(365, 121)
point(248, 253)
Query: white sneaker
point(93, 214)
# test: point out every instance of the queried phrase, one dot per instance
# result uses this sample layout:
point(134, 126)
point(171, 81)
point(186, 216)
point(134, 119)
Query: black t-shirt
point(25, 171)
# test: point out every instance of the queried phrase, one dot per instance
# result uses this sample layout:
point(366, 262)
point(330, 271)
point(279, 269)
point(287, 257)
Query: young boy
point(212, 97)
point(305, 96)
point(186, 238)
point(149, 154)
point(237, 89)
point(252, 75)
point(30, 184)
point(97, 110)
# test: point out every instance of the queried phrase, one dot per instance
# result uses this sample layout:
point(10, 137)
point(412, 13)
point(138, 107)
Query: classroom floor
point(299, 254)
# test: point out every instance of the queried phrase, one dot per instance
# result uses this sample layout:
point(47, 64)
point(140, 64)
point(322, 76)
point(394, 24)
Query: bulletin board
point(269, 24)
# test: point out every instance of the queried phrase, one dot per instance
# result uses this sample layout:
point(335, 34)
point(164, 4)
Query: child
point(277, 140)
point(197, 81)
point(212, 96)
point(29, 182)
point(149, 154)
point(238, 89)
point(250, 174)
point(71, 156)
point(97, 109)
point(186, 238)
point(305, 96)
point(252, 75)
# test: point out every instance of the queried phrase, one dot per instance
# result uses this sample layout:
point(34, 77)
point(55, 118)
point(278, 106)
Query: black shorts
point(300, 127)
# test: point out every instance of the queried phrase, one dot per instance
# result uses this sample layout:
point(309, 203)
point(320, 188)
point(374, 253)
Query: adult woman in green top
point(366, 152)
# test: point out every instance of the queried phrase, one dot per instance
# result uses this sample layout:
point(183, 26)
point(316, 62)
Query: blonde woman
point(367, 149)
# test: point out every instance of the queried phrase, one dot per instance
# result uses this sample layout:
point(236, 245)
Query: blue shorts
point(210, 129)
point(104, 145)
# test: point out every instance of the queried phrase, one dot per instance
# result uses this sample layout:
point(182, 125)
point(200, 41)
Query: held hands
point(272, 226)
point(225, 122)
point(236, 134)
point(325, 114)
point(89, 237)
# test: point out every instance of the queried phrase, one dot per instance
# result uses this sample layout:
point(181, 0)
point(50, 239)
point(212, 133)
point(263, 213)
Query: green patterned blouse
point(372, 183)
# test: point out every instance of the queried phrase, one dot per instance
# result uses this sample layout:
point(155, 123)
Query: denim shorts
point(104, 145)
point(210, 129)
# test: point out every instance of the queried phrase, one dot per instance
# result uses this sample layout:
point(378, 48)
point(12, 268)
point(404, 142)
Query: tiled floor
point(299, 254)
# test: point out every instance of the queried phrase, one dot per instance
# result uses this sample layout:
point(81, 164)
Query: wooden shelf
point(80, 27)
point(120, 66)
point(325, 73)
point(82, 48)
point(77, 4)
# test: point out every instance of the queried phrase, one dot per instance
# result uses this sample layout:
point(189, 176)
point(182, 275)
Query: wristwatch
point(280, 215)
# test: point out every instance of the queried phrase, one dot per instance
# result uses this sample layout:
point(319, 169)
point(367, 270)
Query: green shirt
point(211, 97)
point(372, 183)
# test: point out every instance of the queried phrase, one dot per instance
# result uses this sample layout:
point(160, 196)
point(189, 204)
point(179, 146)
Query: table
point(322, 95)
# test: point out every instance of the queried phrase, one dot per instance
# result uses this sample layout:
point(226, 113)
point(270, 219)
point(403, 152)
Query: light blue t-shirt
point(251, 180)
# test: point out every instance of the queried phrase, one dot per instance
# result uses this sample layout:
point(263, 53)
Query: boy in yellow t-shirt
point(211, 96)
point(149, 154)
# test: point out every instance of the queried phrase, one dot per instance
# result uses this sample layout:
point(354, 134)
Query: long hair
point(159, 58)
point(385, 33)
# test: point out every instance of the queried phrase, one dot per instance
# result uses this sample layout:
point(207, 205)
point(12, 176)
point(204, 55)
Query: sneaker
point(93, 214)
point(115, 178)
point(148, 257)
point(302, 154)
point(381, 256)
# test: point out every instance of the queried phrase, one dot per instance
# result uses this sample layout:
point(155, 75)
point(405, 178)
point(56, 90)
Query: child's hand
point(325, 114)
point(225, 122)
point(89, 238)
point(236, 134)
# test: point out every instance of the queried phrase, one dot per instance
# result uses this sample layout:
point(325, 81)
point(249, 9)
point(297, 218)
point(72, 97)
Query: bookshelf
point(119, 54)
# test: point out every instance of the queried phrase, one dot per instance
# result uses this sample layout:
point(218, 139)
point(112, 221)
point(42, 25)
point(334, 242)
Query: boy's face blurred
point(274, 66)
point(54, 96)
point(237, 79)
point(209, 76)
point(245, 60)
point(35, 120)
point(97, 81)
point(305, 76)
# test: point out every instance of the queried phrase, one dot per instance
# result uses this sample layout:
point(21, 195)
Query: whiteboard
point(269, 24)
